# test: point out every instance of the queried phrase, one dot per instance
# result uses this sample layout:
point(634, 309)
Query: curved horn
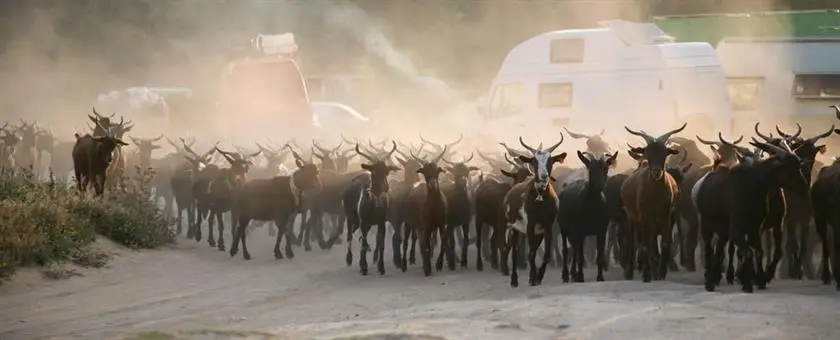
point(740, 149)
point(340, 144)
point(577, 135)
point(707, 142)
point(507, 158)
point(323, 151)
point(836, 110)
point(421, 160)
point(255, 154)
point(664, 137)
point(472, 154)
point(485, 157)
point(551, 148)
point(393, 149)
point(156, 139)
point(460, 138)
point(787, 136)
point(821, 136)
point(96, 113)
point(112, 115)
point(526, 146)
point(769, 148)
point(346, 140)
point(763, 136)
point(648, 138)
point(358, 151)
point(439, 157)
point(685, 155)
point(512, 151)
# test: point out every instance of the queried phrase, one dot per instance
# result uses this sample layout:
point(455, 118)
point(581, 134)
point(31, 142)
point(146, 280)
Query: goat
point(26, 151)
point(91, 158)
point(649, 196)
point(274, 199)
point(733, 203)
point(221, 190)
point(427, 214)
point(531, 208)
point(184, 182)
point(798, 211)
point(582, 212)
point(459, 205)
point(690, 234)
point(366, 204)
point(824, 195)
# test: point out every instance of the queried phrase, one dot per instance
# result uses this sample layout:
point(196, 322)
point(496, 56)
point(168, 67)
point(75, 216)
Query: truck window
point(507, 100)
point(744, 92)
point(816, 86)
point(555, 95)
point(566, 51)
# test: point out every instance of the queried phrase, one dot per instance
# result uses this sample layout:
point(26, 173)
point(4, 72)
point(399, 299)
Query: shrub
point(42, 223)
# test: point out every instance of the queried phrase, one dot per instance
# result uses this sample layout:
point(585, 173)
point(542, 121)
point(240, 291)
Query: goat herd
point(522, 204)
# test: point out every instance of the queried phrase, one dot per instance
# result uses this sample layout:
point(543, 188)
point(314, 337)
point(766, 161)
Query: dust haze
point(426, 65)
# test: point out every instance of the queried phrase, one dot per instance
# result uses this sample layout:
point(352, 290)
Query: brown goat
point(274, 199)
point(91, 158)
point(427, 215)
point(650, 198)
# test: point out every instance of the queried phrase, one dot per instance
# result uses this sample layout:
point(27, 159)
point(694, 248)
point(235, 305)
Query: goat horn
point(576, 135)
point(551, 148)
point(526, 146)
point(358, 151)
point(648, 138)
point(787, 136)
point(763, 136)
point(820, 136)
point(664, 138)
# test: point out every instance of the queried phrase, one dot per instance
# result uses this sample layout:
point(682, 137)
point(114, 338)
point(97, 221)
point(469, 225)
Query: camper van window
point(744, 92)
point(566, 51)
point(554, 95)
point(814, 86)
point(507, 100)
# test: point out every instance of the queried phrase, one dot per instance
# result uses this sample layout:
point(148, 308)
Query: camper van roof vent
point(637, 33)
point(274, 44)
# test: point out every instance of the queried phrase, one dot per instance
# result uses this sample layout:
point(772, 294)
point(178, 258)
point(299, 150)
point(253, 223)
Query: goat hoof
point(278, 255)
point(349, 259)
point(710, 287)
point(747, 289)
point(363, 270)
point(211, 242)
point(600, 278)
point(246, 256)
point(221, 246)
point(479, 266)
point(233, 251)
point(290, 254)
point(565, 276)
point(381, 269)
point(532, 282)
point(307, 247)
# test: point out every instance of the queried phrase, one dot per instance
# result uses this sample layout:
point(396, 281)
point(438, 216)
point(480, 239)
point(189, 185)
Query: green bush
point(42, 223)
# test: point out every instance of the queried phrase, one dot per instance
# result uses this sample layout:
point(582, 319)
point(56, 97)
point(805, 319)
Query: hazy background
point(56, 56)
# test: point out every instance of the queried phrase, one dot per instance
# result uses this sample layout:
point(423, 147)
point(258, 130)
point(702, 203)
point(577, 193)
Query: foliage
point(42, 223)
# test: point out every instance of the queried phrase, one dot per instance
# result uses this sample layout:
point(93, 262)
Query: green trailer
point(712, 28)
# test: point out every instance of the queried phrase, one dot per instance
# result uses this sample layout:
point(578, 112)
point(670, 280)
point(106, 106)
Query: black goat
point(91, 158)
point(583, 212)
point(366, 204)
point(427, 214)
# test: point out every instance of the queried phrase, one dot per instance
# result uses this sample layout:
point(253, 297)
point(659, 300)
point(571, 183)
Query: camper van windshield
point(816, 86)
point(744, 93)
point(507, 100)
point(555, 95)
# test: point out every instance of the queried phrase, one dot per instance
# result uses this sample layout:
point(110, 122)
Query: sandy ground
point(196, 292)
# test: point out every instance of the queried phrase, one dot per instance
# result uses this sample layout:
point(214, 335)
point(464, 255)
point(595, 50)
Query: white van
point(588, 79)
point(782, 78)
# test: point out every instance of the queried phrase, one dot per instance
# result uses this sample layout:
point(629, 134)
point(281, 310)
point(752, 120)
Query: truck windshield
point(266, 88)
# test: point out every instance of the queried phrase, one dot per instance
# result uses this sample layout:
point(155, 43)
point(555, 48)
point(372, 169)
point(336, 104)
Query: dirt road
point(192, 289)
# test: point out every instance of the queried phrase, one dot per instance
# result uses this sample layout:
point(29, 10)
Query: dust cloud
point(425, 65)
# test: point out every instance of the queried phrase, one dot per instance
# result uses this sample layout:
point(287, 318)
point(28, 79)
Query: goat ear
point(822, 148)
point(394, 168)
point(155, 147)
point(559, 158)
point(472, 168)
point(673, 151)
point(419, 171)
point(508, 174)
point(367, 167)
point(524, 159)
point(612, 161)
point(120, 142)
point(440, 171)
point(298, 162)
point(98, 139)
point(583, 158)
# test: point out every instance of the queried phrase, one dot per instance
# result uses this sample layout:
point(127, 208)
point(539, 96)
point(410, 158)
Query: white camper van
point(782, 78)
point(588, 79)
